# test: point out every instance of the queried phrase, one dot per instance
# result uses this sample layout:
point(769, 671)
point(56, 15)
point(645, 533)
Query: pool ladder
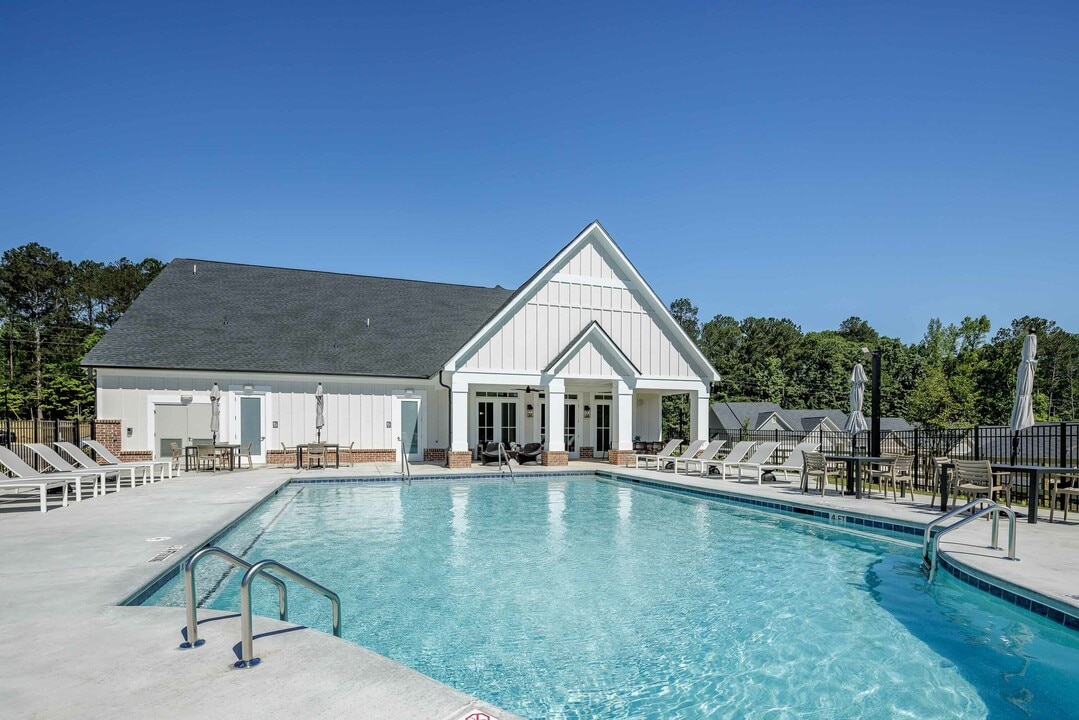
point(931, 542)
point(504, 458)
point(406, 467)
point(252, 571)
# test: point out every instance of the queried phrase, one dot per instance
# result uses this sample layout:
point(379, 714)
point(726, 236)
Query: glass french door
point(508, 423)
point(485, 423)
point(570, 428)
point(411, 428)
point(603, 429)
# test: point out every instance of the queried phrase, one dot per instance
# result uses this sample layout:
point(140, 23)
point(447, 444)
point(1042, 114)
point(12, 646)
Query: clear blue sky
point(814, 161)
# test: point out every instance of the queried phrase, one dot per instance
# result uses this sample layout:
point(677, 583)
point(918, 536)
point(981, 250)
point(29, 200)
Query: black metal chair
point(530, 454)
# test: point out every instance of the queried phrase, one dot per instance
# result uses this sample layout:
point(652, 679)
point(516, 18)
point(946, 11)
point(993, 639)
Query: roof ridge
point(342, 274)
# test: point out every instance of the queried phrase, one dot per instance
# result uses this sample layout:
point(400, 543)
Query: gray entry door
point(251, 426)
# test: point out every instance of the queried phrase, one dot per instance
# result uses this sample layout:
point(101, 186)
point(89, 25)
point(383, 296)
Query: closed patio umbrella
point(1023, 410)
point(215, 412)
point(320, 419)
point(856, 420)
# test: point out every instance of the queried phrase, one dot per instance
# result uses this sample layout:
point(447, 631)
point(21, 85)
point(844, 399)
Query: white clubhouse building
point(579, 357)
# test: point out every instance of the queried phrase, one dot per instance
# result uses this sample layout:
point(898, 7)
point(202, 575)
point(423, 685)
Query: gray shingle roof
point(225, 316)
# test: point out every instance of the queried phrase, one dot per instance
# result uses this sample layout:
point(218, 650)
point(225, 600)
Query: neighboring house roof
point(202, 315)
point(808, 420)
point(733, 415)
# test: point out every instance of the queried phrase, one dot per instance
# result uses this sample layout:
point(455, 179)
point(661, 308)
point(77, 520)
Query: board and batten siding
point(355, 410)
point(584, 288)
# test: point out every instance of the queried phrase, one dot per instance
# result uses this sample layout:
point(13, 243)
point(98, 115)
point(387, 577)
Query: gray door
point(180, 424)
point(251, 425)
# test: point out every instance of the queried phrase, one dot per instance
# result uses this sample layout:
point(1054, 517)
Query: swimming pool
point(585, 597)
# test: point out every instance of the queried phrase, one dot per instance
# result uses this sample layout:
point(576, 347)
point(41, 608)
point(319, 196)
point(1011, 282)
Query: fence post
point(1063, 444)
point(917, 457)
point(977, 443)
point(76, 433)
point(55, 431)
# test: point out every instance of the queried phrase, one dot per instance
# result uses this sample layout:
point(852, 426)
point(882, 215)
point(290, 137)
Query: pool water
point(588, 598)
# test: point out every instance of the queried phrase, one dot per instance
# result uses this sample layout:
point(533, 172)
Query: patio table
point(854, 469)
point(1034, 475)
point(336, 447)
point(191, 452)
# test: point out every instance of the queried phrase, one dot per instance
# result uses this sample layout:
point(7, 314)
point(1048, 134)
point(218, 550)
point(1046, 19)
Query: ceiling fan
point(528, 389)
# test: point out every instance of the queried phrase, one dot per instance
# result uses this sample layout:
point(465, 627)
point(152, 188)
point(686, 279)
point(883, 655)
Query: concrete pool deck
point(69, 650)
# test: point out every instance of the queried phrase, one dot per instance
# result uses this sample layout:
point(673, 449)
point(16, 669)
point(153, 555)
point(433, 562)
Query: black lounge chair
point(489, 454)
point(530, 454)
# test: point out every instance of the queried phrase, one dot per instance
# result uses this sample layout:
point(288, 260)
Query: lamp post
point(874, 438)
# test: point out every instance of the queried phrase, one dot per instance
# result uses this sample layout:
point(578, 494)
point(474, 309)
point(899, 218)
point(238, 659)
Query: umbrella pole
point(1015, 447)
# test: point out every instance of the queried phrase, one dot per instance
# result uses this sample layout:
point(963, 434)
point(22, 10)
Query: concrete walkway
point(68, 650)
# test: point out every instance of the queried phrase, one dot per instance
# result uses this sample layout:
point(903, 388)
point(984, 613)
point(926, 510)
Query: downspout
point(449, 425)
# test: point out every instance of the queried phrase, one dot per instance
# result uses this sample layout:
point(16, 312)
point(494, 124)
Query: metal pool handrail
point(189, 591)
point(502, 457)
point(406, 467)
point(247, 640)
point(931, 544)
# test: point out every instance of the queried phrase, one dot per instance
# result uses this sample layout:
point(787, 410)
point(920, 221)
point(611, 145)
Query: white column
point(623, 416)
point(698, 414)
point(556, 416)
point(459, 418)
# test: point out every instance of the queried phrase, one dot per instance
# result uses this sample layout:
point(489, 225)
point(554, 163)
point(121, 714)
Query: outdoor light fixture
point(531, 411)
point(185, 399)
point(587, 411)
point(248, 388)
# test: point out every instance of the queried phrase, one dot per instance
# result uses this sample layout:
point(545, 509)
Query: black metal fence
point(1042, 444)
point(15, 434)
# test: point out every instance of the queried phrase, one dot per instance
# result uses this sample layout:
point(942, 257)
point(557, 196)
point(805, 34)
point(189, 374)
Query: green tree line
point(53, 311)
point(956, 375)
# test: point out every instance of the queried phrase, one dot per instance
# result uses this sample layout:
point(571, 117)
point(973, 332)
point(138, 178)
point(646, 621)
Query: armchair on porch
point(490, 453)
point(530, 454)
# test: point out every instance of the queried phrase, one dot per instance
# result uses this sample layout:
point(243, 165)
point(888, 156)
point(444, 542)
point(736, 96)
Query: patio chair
point(662, 455)
point(177, 456)
point(82, 461)
point(1058, 490)
point(316, 452)
point(814, 466)
point(737, 454)
point(708, 453)
point(242, 453)
point(206, 454)
point(285, 452)
point(896, 473)
point(101, 472)
point(793, 464)
point(935, 469)
point(103, 453)
point(27, 477)
point(530, 454)
point(760, 456)
point(974, 478)
point(347, 450)
point(490, 453)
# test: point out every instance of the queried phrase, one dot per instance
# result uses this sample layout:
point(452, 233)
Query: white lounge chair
point(692, 449)
point(84, 461)
point(27, 477)
point(104, 454)
point(736, 455)
point(760, 456)
point(663, 454)
point(49, 455)
point(709, 453)
point(793, 464)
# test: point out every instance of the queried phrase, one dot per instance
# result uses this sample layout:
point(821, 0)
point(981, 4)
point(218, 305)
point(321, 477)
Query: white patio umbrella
point(856, 420)
point(320, 419)
point(1023, 410)
point(215, 412)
